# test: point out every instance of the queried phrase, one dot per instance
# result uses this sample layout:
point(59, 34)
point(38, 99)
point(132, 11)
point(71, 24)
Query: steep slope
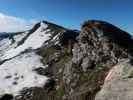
point(33, 39)
point(101, 45)
point(81, 66)
point(19, 59)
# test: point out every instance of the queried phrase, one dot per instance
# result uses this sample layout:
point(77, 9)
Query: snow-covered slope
point(19, 73)
point(18, 57)
point(33, 41)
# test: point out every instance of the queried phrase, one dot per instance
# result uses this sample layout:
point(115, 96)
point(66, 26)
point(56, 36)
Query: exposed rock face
point(118, 84)
point(101, 45)
point(95, 53)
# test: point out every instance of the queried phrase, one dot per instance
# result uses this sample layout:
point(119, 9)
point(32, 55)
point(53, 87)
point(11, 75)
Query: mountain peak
point(18, 54)
point(112, 33)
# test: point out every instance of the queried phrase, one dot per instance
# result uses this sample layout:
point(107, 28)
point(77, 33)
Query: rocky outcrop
point(94, 55)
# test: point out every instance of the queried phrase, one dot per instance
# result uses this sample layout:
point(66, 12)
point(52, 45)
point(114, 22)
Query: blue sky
point(71, 13)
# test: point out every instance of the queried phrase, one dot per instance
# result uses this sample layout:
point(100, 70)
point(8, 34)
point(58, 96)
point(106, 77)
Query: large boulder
point(118, 84)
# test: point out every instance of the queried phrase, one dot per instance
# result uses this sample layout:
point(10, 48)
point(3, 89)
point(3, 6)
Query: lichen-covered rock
point(118, 83)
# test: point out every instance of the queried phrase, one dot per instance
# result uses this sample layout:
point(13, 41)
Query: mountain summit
point(19, 59)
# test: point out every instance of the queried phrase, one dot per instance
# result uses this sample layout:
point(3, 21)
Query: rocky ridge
point(82, 65)
point(76, 63)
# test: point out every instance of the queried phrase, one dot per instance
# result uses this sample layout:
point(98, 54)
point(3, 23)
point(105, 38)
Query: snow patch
point(19, 37)
point(6, 44)
point(18, 73)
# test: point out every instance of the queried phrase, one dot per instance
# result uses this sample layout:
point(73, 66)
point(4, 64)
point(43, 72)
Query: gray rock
point(118, 83)
point(85, 64)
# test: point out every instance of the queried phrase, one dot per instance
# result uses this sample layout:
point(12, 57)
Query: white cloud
point(14, 24)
